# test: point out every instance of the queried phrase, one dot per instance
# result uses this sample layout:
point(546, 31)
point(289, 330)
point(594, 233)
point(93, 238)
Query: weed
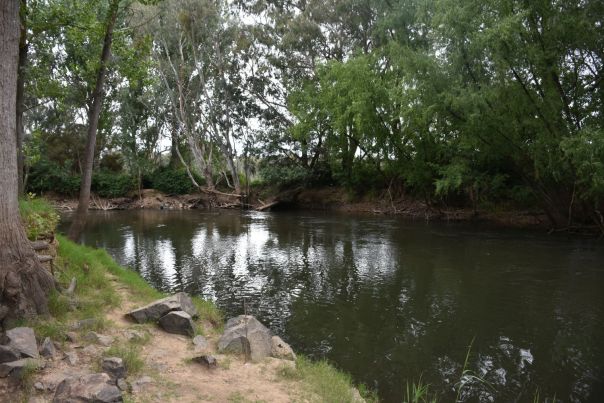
point(130, 354)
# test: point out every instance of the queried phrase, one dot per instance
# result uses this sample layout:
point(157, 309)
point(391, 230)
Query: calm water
point(389, 300)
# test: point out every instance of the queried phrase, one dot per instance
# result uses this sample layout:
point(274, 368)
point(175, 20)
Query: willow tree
point(24, 283)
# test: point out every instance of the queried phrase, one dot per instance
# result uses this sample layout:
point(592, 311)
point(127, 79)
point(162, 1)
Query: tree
point(79, 221)
point(24, 284)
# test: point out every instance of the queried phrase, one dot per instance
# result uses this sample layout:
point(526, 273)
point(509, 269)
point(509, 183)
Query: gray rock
point(134, 335)
point(159, 308)
point(122, 384)
point(200, 343)
point(206, 360)
point(90, 350)
point(356, 396)
point(15, 368)
point(101, 339)
point(71, 357)
point(71, 337)
point(39, 386)
point(47, 349)
point(87, 388)
point(280, 349)
point(114, 366)
point(84, 324)
point(244, 334)
point(8, 354)
point(139, 385)
point(22, 340)
point(178, 322)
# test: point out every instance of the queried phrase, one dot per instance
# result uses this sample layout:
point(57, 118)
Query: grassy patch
point(324, 381)
point(130, 354)
point(39, 217)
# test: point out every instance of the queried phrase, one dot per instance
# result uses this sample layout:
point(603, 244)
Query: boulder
point(178, 322)
point(71, 337)
point(207, 361)
point(71, 357)
point(88, 388)
point(22, 340)
point(122, 384)
point(101, 339)
point(15, 368)
point(114, 366)
point(8, 354)
point(200, 343)
point(244, 334)
point(155, 310)
point(280, 349)
point(47, 349)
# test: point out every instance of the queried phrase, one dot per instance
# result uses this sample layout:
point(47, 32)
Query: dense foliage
point(468, 103)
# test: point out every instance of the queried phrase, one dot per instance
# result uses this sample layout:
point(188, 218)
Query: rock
point(159, 308)
point(356, 396)
point(71, 337)
point(178, 322)
point(15, 368)
point(39, 386)
point(22, 340)
point(200, 343)
point(87, 388)
point(90, 350)
point(114, 366)
point(84, 324)
point(280, 349)
point(71, 358)
point(8, 354)
point(101, 339)
point(134, 335)
point(139, 385)
point(47, 349)
point(206, 360)
point(122, 384)
point(244, 334)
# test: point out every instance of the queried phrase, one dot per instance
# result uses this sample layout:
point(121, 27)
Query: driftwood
point(218, 192)
point(267, 206)
point(284, 197)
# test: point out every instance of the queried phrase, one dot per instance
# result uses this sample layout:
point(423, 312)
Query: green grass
point(322, 380)
point(419, 393)
point(39, 217)
point(130, 354)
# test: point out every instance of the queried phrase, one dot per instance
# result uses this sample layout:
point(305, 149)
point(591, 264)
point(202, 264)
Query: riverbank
point(88, 324)
point(324, 199)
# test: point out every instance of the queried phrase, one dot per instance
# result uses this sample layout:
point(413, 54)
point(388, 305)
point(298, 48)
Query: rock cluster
point(174, 314)
point(18, 351)
point(244, 334)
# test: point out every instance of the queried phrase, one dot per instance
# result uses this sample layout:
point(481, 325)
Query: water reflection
point(389, 300)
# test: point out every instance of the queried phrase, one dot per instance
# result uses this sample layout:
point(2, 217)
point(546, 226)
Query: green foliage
point(39, 217)
point(48, 176)
point(172, 181)
point(283, 174)
point(111, 184)
point(130, 354)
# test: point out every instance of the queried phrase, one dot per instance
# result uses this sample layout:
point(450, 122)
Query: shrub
point(111, 184)
point(172, 181)
point(39, 218)
point(49, 176)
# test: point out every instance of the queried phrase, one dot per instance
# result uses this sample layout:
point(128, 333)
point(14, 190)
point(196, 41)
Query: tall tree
point(94, 113)
point(24, 283)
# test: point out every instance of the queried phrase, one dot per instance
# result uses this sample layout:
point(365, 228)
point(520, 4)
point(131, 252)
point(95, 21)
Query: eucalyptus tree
point(24, 284)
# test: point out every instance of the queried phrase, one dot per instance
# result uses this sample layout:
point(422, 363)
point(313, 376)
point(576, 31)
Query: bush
point(39, 218)
point(172, 181)
point(111, 184)
point(49, 176)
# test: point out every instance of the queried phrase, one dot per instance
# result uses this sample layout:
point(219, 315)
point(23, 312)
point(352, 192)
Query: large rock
point(22, 340)
point(155, 310)
point(177, 322)
point(47, 349)
point(101, 339)
point(15, 368)
point(200, 343)
point(87, 388)
point(114, 366)
point(280, 349)
point(244, 334)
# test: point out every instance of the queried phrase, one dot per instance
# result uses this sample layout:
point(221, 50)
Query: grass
point(323, 380)
point(38, 216)
point(130, 354)
point(419, 393)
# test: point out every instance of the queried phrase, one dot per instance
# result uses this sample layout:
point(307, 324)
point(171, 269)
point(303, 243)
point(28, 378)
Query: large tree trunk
point(24, 283)
point(79, 221)
point(21, 94)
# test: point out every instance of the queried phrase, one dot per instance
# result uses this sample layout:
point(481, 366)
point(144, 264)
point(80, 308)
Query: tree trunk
point(24, 283)
point(23, 47)
point(79, 221)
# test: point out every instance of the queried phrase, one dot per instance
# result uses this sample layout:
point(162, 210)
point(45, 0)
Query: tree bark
point(23, 48)
point(24, 283)
point(79, 221)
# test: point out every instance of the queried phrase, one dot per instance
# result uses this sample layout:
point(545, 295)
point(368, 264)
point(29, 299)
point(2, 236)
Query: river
point(389, 300)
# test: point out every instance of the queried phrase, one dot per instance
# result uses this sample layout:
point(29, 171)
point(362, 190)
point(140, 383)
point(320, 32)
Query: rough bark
point(23, 48)
point(79, 221)
point(24, 283)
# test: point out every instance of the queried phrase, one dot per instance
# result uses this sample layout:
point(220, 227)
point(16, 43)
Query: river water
point(389, 300)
